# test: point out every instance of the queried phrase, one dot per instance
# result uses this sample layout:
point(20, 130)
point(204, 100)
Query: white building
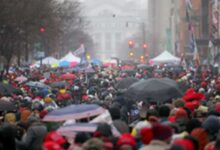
point(110, 23)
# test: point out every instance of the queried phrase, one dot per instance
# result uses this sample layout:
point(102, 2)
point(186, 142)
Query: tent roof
point(48, 61)
point(70, 58)
point(165, 57)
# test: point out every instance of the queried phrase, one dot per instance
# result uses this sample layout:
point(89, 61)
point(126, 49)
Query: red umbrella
point(68, 76)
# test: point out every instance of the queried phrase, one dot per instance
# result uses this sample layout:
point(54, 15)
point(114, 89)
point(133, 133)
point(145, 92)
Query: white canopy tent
point(48, 61)
point(70, 58)
point(165, 57)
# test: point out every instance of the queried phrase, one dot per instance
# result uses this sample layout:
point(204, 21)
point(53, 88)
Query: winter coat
point(34, 137)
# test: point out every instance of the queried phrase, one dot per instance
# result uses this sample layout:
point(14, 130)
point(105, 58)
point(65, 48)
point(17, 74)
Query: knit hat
point(55, 137)
point(181, 114)
point(212, 125)
point(10, 118)
point(202, 137)
point(93, 143)
point(187, 144)
point(179, 103)
point(161, 132)
point(48, 100)
point(24, 115)
point(126, 139)
point(50, 145)
point(146, 135)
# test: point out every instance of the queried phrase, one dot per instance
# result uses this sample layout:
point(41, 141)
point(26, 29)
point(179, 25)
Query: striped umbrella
point(70, 130)
point(74, 112)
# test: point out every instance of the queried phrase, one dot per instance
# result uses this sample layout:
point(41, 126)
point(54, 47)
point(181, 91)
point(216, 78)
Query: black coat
point(34, 137)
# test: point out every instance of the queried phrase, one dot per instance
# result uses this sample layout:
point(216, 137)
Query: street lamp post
point(144, 44)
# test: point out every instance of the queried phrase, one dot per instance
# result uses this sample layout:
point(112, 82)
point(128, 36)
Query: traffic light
point(131, 43)
point(142, 59)
point(88, 57)
point(145, 46)
point(131, 54)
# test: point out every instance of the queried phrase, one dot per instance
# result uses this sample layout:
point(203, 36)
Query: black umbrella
point(144, 66)
point(7, 106)
point(153, 90)
point(6, 89)
point(125, 83)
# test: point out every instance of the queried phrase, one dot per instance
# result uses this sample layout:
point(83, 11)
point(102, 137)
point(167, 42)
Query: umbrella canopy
point(7, 106)
point(68, 76)
point(70, 130)
point(154, 90)
point(96, 62)
point(125, 83)
point(21, 79)
point(36, 84)
point(58, 84)
point(144, 66)
point(64, 63)
point(6, 89)
point(74, 112)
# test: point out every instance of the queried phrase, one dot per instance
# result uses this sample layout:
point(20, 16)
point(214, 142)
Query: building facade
point(110, 23)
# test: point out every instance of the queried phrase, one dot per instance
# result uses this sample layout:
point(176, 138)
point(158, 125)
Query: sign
point(39, 55)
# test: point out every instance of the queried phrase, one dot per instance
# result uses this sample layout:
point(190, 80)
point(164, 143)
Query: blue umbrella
point(74, 112)
point(64, 64)
point(70, 130)
point(96, 62)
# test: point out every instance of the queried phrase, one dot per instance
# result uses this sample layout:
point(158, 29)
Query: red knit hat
point(204, 84)
point(202, 136)
point(126, 139)
point(181, 114)
point(55, 137)
point(190, 106)
point(185, 143)
point(50, 145)
point(146, 135)
point(161, 132)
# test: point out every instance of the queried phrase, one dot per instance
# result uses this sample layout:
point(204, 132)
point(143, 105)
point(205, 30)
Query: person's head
point(164, 111)
point(192, 124)
point(104, 129)
point(93, 144)
point(212, 126)
point(126, 142)
point(115, 113)
point(32, 119)
point(152, 112)
point(162, 132)
point(202, 137)
point(81, 137)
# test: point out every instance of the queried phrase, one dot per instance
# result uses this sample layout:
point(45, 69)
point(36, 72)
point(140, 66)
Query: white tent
point(165, 57)
point(48, 61)
point(70, 58)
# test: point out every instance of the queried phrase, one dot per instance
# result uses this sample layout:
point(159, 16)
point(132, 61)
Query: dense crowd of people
point(189, 122)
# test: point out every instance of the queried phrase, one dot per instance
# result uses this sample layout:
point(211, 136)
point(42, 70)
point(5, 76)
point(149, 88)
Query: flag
point(196, 54)
point(80, 51)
